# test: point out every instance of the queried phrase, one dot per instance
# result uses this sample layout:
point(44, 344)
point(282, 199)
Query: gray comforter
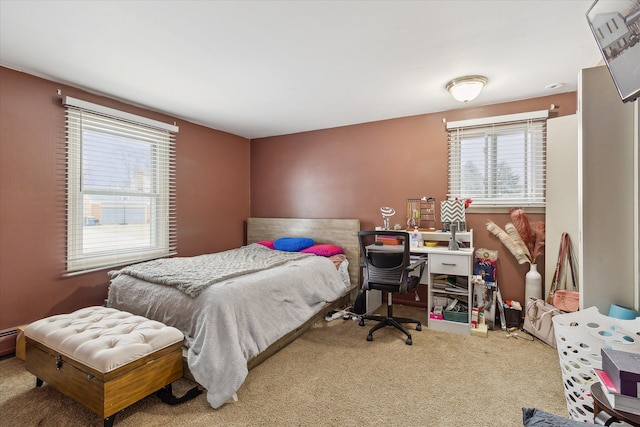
point(192, 275)
point(235, 319)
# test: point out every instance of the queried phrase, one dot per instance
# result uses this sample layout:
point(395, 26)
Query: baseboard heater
point(8, 341)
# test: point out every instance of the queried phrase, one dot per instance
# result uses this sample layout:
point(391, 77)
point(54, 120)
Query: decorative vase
point(453, 243)
point(532, 283)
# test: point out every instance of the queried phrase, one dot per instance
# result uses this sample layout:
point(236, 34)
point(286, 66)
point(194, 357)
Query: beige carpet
point(331, 376)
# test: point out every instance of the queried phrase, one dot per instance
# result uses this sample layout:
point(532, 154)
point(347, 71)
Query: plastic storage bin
point(579, 338)
point(456, 316)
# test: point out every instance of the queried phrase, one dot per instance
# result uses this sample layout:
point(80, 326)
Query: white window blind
point(120, 187)
point(499, 161)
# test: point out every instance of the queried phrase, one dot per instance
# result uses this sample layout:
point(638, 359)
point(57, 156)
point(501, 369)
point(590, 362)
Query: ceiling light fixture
point(467, 88)
point(554, 86)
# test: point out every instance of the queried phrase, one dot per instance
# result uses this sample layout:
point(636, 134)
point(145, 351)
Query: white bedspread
point(232, 321)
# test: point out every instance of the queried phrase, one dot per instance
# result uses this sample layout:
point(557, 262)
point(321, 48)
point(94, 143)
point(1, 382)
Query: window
point(499, 161)
point(120, 187)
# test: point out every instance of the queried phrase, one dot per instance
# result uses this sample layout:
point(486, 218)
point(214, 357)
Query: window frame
point(493, 127)
point(160, 138)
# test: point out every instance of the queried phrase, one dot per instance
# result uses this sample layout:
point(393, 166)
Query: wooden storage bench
point(103, 358)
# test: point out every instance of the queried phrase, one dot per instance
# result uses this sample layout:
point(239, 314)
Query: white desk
point(440, 261)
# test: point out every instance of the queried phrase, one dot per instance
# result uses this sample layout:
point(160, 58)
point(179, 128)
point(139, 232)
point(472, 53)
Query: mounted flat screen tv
point(615, 24)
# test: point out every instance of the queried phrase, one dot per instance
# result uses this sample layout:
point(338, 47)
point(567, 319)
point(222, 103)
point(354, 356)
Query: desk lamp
point(387, 212)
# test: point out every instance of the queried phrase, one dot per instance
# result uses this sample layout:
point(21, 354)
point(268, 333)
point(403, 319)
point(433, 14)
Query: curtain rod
point(111, 112)
point(532, 115)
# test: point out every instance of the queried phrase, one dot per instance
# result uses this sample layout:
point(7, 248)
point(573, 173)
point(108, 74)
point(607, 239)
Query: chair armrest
point(416, 264)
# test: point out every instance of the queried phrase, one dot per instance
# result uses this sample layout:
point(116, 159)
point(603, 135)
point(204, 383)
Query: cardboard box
point(623, 368)
point(388, 240)
point(480, 331)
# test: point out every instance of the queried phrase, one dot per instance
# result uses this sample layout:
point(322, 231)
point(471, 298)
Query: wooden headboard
point(341, 232)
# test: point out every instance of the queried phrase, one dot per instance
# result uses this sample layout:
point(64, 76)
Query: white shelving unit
point(451, 264)
point(465, 237)
point(442, 261)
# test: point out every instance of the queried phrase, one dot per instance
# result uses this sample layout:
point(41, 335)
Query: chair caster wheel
point(408, 341)
point(369, 337)
point(418, 327)
point(361, 322)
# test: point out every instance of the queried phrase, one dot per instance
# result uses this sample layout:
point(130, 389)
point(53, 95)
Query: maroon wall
point(346, 172)
point(212, 195)
point(351, 171)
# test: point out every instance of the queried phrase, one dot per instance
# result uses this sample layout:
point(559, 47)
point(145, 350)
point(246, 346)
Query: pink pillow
point(267, 243)
point(323, 250)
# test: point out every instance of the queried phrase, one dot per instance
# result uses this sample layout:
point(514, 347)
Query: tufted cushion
point(103, 338)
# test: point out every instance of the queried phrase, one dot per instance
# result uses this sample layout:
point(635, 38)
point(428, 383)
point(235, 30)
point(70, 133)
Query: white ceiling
point(263, 68)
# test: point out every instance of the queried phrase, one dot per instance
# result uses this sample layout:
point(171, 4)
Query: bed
point(240, 320)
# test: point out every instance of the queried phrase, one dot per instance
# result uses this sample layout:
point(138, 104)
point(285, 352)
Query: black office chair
point(387, 268)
